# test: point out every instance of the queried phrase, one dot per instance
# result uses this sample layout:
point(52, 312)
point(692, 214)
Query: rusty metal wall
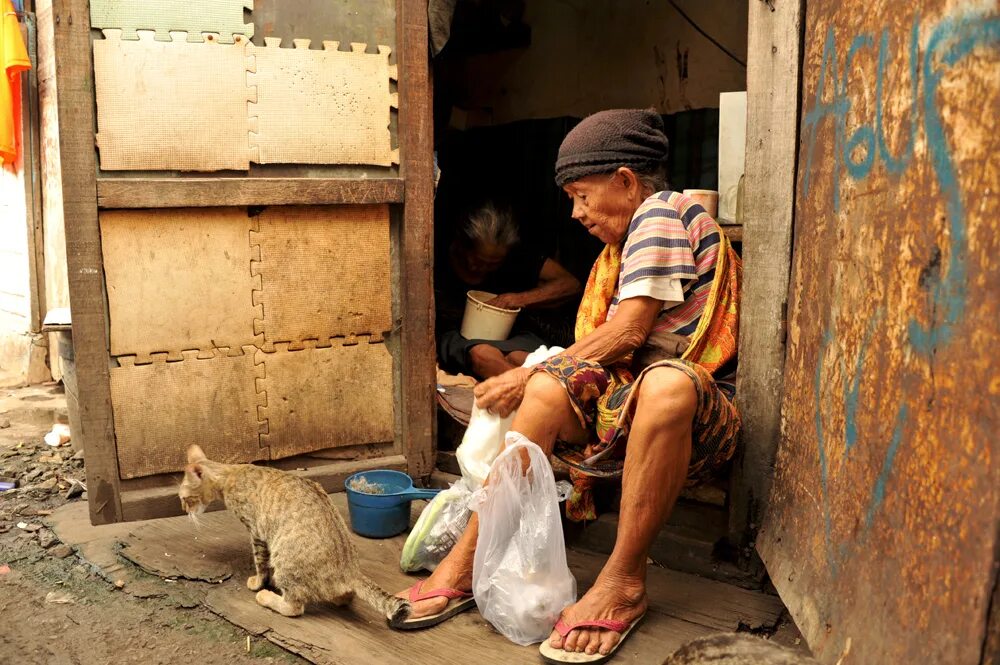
point(882, 529)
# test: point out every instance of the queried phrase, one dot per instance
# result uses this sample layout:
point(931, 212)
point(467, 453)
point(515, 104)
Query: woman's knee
point(544, 389)
point(669, 395)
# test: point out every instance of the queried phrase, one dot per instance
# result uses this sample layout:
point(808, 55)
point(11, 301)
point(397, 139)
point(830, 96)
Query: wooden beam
point(773, 63)
point(218, 191)
point(75, 82)
point(417, 166)
point(32, 171)
point(155, 502)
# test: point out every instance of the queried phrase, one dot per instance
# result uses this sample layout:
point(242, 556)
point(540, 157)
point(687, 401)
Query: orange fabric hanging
point(13, 61)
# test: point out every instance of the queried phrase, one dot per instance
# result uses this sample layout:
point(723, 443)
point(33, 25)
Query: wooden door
point(881, 534)
point(239, 240)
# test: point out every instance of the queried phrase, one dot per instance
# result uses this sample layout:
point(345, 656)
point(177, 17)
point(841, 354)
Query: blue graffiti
point(949, 43)
point(896, 165)
point(852, 391)
point(955, 39)
point(878, 494)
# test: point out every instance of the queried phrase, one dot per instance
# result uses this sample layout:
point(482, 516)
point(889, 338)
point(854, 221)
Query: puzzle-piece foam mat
point(195, 17)
point(324, 270)
point(178, 279)
point(161, 408)
point(321, 106)
point(320, 398)
point(171, 105)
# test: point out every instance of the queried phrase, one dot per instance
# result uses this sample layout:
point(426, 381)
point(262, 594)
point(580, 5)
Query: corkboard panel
point(224, 18)
point(324, 270)
point(171, 105)
point(178, 279)
point(326, 397)
point(162, 408)
point(340, 102)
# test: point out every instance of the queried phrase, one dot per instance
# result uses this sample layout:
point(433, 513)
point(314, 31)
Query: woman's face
point(605, 203)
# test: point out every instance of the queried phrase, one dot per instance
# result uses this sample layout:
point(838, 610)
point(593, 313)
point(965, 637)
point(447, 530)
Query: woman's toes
point(569, 644)
point(555, 640)
point(608, 641)
point(593, 643)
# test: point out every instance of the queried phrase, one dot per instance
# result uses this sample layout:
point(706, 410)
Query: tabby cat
point(301, 546)
point(735, 649)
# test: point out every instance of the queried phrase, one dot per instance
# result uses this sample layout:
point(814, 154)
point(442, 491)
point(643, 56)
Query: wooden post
point(774, 47)
point(417, 261)
point(75, 82)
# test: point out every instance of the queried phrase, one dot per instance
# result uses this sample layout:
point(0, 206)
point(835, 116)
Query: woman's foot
point(451, 573)
point(618, 599)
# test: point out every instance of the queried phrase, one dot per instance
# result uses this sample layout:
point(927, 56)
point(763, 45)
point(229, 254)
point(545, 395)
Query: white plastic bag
point(520, 577)
point(485, 436)
point(437, 529)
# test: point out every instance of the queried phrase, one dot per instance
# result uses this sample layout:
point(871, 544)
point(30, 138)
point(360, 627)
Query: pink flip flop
point(458, 601)
point(558, 657)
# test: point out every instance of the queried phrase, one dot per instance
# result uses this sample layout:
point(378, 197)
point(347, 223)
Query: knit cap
point(608, 140)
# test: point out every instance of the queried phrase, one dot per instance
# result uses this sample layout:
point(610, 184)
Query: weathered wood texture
point(75, 82)
point(32, 173)
point(53, 237)
point(416, 265)
point(773, 56)
point(682, 607)
point(881, 534)
point(177, 192)
point(161, 500)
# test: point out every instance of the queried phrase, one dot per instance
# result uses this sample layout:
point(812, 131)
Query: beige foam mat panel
point(325, 272)
point(171, 105)
point(162, 408)
point(222, 17)
point(326, 397)
point(321, 106)
point(178, 279)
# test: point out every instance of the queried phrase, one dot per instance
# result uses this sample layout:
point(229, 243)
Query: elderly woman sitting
point(604, 407)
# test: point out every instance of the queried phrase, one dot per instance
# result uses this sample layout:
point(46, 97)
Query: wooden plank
point(320, 398)
point(225, 191)
point(31, 157)
point(162, 501)
point(75, 82)
point(881, 532)
point(417, 165)
point(774, 44)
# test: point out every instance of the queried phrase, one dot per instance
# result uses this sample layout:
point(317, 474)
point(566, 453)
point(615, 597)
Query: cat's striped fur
point(301, 546)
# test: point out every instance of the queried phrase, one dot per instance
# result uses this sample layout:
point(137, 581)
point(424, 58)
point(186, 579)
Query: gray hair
point(654, 180)
point(490, 226)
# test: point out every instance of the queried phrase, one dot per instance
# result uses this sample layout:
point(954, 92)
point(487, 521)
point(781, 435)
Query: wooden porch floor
point(683, 607)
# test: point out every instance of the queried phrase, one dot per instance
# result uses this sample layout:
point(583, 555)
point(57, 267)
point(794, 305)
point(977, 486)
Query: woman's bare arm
point(555, 285)
point(609, 342)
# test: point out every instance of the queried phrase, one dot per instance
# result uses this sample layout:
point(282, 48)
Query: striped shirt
point(672, 246)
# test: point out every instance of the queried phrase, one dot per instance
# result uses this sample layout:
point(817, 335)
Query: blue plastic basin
point(387, 514)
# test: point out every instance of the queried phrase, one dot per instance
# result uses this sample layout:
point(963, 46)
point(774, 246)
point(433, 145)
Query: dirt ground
point(54, 608)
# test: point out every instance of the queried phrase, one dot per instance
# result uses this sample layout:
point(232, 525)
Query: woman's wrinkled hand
point(506, 301)
point(502, 394)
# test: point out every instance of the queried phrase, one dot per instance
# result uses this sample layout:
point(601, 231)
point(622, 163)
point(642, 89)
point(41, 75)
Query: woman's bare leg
point(656, 462)
point(545, 415)
point(488, 361)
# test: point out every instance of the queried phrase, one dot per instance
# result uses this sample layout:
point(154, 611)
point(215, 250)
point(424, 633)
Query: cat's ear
point(194, 472)
point(195, 454)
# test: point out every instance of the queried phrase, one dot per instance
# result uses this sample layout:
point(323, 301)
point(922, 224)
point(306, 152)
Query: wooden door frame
point(774, 57)
point(84, 193)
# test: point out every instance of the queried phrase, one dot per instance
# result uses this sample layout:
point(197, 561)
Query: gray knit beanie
point(608, 140)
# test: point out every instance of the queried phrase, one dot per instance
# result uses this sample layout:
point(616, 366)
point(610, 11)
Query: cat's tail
point(395, 609)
